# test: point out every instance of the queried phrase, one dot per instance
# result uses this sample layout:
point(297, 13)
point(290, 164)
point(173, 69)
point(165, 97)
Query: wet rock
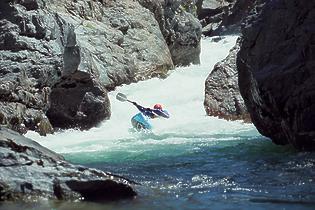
point(276, 71)
point(94, 190)
point(222, 95)
point(30, 172)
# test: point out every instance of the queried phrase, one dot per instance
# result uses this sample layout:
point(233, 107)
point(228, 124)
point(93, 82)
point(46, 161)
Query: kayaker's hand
point(138, 106)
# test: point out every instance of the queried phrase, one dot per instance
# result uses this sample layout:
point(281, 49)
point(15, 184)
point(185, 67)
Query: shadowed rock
point(276, 71)
point(78, 101)
point(99, 190)
point(71, 55)
point(223, 17)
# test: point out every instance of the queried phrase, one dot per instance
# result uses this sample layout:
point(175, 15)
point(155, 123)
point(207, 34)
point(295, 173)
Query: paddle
point(122, 97)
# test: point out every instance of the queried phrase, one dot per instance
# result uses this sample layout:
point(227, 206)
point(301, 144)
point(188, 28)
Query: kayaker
point(157, 111)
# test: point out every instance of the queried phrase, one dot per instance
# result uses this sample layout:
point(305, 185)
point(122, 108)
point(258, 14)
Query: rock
point(78, 101)
point(21, 118)
point(276, 71)
point(30, 64)
point(71, 54)
point(223, 17)
point(30, 172)
point(184, 39)
point(120, 42)
point(180, 28)
point(94, 190)
point(222, 95)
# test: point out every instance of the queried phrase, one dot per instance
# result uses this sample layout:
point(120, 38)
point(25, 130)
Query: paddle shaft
point(130, 101)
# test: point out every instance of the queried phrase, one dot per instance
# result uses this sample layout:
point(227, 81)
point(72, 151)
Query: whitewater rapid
point(181, 93)
point(190, 161)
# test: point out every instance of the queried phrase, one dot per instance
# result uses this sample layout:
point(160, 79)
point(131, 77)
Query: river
point(190, 161)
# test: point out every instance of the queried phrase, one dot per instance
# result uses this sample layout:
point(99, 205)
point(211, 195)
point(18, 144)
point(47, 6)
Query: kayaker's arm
point(146, 111)
point(141, 108)
point(161, 113)
point(152, 113)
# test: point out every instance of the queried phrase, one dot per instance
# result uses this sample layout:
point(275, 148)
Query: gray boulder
point(222, 95)
point(120, 41)
point(276, 71)
point(180, 28)
point(78, 101)
point(30, 172)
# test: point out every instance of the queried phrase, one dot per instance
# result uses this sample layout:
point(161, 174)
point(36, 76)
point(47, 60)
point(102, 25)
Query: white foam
point(182, 94)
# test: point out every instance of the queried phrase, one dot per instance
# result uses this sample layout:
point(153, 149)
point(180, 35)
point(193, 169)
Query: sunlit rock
point(222, 95)
point(30, 172)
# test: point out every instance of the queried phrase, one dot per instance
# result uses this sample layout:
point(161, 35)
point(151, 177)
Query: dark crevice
point(57, 190)
point(101, 190)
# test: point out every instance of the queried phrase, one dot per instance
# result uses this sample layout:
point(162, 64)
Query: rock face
point(120, 41)
point(276, 71)
point(28, 65)
point(222, 95)
point(222, 17)
point(78, 101)
point(30, 172)
point(180, 28)
point(43, 43)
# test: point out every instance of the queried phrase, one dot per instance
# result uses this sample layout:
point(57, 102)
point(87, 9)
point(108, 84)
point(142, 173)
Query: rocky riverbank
point(222, 95)
point(30, 172)
point(274, 71)
point(59, 58)
point(58, 61)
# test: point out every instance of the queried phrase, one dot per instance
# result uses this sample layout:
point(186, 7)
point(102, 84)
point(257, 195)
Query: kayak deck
point(140, 122)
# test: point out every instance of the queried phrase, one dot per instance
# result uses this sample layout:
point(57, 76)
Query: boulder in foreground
point(30, 172)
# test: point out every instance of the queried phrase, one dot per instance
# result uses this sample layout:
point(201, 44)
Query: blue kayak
point(140, 121)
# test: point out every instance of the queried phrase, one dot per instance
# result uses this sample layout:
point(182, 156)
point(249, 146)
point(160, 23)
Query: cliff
point(276, 65)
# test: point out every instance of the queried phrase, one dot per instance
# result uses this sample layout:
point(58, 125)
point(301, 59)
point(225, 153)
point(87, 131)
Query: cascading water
point(182, 94)
point(190, 161)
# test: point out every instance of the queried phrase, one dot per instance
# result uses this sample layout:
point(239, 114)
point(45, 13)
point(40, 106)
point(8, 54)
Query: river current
point(190, 161)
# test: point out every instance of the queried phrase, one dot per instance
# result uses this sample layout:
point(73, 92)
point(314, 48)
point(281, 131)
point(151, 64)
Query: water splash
point(190, 161)
point(182, 94)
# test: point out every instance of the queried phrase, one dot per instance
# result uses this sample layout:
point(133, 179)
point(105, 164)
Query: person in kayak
point(157, 111)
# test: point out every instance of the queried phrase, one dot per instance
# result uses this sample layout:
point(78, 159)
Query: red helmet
point(157, 106)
